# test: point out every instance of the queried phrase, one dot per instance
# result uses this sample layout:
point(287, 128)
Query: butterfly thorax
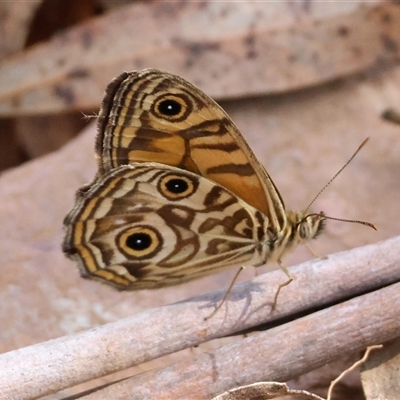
point(300, 228)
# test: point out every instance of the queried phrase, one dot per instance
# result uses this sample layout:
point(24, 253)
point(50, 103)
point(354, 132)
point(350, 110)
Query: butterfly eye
point(172, 107)
point(304, 229)
point(176, 187)
point(311, 226)
point(140, 242)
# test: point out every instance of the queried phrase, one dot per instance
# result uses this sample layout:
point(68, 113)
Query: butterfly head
point(300, 228)
point(308, 226)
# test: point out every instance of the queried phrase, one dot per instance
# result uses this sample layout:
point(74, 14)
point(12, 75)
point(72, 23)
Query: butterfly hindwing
point(148, 225)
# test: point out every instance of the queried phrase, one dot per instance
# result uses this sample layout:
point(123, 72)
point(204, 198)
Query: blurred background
point(306, 82)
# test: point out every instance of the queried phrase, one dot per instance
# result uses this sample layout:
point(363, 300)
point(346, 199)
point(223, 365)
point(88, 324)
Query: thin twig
point(352, 368)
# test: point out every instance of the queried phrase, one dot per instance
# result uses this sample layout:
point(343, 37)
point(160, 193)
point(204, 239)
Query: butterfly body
point(178, 194)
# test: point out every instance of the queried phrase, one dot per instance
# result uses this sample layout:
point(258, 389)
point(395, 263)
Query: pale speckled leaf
point(15, 18)
point(228, 49)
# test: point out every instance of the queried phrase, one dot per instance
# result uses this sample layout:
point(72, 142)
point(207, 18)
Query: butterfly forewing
point(150, 225)
point(154, 116)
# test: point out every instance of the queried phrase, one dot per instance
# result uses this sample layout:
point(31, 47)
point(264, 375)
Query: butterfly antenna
point(335, 176)
point(353, 221)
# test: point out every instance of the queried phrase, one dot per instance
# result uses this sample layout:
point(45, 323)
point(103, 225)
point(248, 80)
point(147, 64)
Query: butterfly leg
point(282, 285)
point(227, 292)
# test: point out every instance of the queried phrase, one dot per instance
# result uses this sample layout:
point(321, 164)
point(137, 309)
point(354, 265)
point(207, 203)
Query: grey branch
point(335, 306)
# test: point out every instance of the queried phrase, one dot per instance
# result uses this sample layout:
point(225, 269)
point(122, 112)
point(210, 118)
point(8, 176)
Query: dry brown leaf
point(319, 380)
point(272, 390)
point(265, 391)
point(55, 16)
point(228, 49)
point(10, 152)
point(40, 135)
point(380, 373)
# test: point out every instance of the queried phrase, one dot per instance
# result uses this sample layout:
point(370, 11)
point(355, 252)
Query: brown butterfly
point(178, 194)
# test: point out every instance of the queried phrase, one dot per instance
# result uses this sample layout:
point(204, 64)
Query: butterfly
point(178, 194)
